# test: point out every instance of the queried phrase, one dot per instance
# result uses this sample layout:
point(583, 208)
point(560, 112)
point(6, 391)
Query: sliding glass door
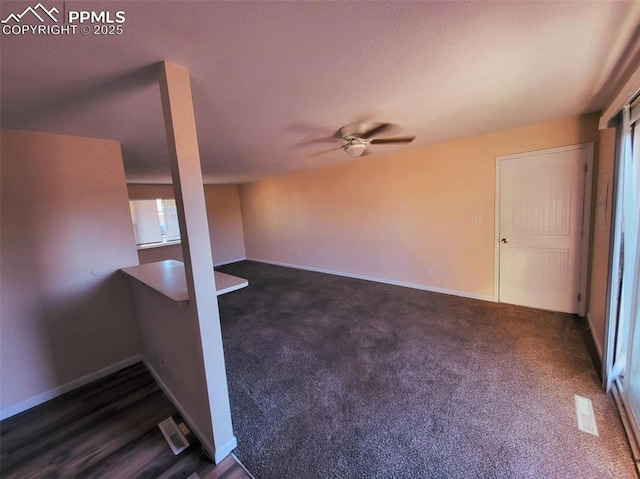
point(631, 271)
point(622, 349)
point(631, 377)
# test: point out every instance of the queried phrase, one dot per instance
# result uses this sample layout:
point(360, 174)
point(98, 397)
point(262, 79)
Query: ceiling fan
point(354, 139)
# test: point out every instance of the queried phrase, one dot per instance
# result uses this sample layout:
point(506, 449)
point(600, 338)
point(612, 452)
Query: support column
point(186, 172)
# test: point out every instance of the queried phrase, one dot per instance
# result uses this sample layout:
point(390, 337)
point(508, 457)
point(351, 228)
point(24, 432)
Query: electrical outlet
point(297, 255)
point(428, 270)
point(477, 218)
point(161, 358)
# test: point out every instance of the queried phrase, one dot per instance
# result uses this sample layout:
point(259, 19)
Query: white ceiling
point(267, 76)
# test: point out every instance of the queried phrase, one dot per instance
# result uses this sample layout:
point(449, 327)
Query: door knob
point(505, 240)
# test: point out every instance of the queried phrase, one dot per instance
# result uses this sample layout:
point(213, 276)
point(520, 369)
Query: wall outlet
point(161, 358)
point(477, 218)
point(428, 270)
point(297, 255)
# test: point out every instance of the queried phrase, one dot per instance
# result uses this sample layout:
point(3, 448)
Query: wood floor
point(107, 429)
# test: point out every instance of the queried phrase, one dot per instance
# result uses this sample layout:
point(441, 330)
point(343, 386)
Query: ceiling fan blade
point(400, 139)
point(318, 153)
point(313, 141)
point(337, 134)
point(375, 130)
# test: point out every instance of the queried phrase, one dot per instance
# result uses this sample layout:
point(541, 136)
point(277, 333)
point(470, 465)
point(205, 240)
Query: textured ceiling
point(267, 76)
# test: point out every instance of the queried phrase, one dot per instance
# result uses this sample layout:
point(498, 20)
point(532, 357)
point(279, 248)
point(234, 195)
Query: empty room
point(319, 239)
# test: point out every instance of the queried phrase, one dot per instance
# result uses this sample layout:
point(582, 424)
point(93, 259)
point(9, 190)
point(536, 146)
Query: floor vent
point(173, 435)
point(586, 417)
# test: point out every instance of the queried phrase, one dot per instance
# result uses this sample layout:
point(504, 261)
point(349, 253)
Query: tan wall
point(224, 216)
point(142, 192)
point(151, 255)
point(600, 236)
point(392, 216)
point(66, 311)
point(225, 223)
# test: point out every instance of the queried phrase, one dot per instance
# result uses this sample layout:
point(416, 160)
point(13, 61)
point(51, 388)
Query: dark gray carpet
point(332, 377)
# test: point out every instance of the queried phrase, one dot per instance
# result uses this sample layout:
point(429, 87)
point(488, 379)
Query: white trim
point(626, 94)
point(496, 237)
point(545, 151)
point(586, 218)
point(226, 262)
point(586, 231)
point(223, 452)
point(595, 338)
point(464, 294)
point(38, 399)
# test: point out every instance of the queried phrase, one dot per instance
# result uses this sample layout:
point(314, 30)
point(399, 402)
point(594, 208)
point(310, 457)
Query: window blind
point(154, 221)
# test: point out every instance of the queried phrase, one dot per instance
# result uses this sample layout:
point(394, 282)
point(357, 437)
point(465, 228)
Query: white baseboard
point(208, 446)
point(596, 340)
point(38, 399)
point(380, 280)
point(222, 263)
point(225, 450)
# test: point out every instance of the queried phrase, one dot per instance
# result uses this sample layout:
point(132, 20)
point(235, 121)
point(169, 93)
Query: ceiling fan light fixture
point(355, 149)
point(355, 139)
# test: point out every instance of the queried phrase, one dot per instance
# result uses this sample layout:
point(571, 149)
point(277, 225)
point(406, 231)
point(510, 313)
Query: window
point(155, 222)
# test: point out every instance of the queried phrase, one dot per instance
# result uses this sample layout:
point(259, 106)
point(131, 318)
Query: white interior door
point(541, 228)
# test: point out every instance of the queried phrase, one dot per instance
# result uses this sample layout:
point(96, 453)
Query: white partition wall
point(182, 340)
point(184, 158)
point(66, 313)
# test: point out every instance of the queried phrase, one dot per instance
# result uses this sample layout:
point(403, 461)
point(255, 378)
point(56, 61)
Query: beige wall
point(66, 311)
point(141, 191)
point(151, 255)
point(600, 236)
point(225, 223)
point(224, 216)
point(392, 216)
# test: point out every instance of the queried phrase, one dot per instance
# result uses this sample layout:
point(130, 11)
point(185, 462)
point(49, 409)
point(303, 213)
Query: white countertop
point(168, 278)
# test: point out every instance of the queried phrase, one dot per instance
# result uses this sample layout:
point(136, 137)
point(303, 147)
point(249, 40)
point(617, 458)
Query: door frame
point(586, 218)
